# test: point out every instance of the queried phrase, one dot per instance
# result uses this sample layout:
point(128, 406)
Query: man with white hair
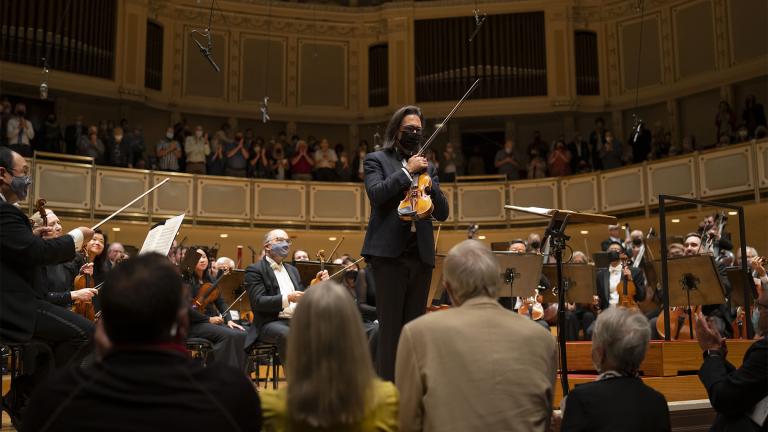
point(617, 400)
point(274, 288)
point(506, 362)
point(115, 254)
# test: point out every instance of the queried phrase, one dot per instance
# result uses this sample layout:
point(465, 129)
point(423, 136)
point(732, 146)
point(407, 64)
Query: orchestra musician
point(274, 288)
point(402, 253)
point(613, 236)
point(519, 246)
point(300, 255)
point(24, 314)
point(227, 337)
point(719, 315)
point(578, 316)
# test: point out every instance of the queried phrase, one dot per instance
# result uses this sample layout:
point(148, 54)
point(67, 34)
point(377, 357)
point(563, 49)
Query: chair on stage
point(200, 349)
point(12, 351)
point(264, 354)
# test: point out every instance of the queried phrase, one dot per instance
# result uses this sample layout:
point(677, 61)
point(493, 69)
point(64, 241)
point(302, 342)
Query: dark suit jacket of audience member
point(616, 404)
point(22, 254)
point(264, 294)
point(387, 235)
point(604, 285)
point(142, 390)
point(734, 392)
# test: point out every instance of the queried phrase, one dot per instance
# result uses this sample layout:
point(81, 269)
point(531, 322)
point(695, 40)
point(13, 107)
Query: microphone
point(44, 84)
point(264, 106)
point(206, 52)
point(637, 127)
point(479, 21)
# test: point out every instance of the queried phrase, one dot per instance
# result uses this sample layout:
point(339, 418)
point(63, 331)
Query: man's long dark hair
point(393, 128)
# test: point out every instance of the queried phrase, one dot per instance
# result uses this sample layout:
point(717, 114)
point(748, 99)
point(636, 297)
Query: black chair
point(200, 349)
point(12, 352)
point(262, 353)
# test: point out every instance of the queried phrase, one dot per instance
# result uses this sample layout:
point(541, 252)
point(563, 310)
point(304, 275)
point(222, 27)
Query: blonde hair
point(329, 366)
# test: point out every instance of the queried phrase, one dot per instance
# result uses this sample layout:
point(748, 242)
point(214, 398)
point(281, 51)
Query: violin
point(208, 293)
point(40, 208)
point(627, 290)
point(321, 257)
point(531, 306)
point(417, 204)
point(84, 308)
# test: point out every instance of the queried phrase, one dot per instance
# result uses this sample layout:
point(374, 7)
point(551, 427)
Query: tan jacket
point(478, 367)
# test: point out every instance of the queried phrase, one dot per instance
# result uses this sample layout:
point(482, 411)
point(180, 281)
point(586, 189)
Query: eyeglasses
point(281, 239)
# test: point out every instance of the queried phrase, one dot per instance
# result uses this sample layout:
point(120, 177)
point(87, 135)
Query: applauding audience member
point(618, 400)
point(478, 366)
point(332, 386)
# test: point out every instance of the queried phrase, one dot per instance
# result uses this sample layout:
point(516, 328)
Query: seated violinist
point(610, 281)
point(207, 321)
point(145, 379)
point(274, 288)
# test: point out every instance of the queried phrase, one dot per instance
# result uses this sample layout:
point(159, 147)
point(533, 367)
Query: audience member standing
point(168, 152)
point(559, 160)
point(198, 148)
point(119, 149)
point(73, 133)
point(725, 121)
point(617, 400)
point(302, 162)
point(90, 145)
point(506, 362)
point(452, 164)
point(537, 166)
point(753, 115)
point(506, 162)
point(20, 131)
point(325, 162)
point(596, 142)
point(611, 153)
point(581, 158)
point(51, 132)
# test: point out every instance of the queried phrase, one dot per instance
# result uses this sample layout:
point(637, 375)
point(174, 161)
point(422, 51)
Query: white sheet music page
point(160, 238)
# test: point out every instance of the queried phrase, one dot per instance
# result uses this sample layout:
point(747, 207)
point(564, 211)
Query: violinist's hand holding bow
point(216, 320)
point(416, 164)
point(84, 294)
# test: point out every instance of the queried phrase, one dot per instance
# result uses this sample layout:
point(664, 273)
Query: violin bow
point(130, 203)
point(345, 268)
point(333, 252)
point(448, 117)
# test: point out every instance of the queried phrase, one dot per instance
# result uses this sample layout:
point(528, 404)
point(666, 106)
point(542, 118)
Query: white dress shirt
point(615, 279)
point(286, 287)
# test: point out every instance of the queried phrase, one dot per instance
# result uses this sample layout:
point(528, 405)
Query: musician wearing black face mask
point(402, 254)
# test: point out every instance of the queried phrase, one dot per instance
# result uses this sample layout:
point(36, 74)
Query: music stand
point(602, 259)
point(737, 278)
point(555, 234)
point(436, 285)
point(520, 273)
point(578, 280)
point(309, 269)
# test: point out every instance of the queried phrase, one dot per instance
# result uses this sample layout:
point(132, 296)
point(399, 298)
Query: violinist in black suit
point(274, 288)
point(24, 314)
point(401, 253)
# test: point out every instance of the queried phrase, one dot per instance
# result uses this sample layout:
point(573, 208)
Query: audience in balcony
point(453, 164)
point(612, 152)
point(581, 158)
point(753, 115)
point(559, 160)
point(51, 135)
point(168, 152)
point(20, 132)
point(596, 142)
point(302, 163)
point(73, 133)
point(119, 149)
point(90, 145)
point(279, 164)
point(198, 148)
point(537, 167)
point(6, 112)
point(358, 174)
point(641, 144)
point(325, 162)
point(236, 156)
point(725, 121)
point(506, 162)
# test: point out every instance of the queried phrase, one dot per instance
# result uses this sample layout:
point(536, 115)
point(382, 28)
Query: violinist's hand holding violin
point(323, 275)
point(216, 320)
point(87, 269)
point(41, 231)
point(416, 164)
point(84, 294)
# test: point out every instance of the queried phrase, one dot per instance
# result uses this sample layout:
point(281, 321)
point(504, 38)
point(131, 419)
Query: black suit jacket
point(734, 392)
point(72, 136)
point(21, 256)
point(617, 404)
point(146, 390)
point(387, 235)
point(604, 285)
point(264, 294)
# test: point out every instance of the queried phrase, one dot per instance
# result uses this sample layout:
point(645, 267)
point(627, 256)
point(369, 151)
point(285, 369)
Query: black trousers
point(228, 344)
point(402, 287)
point(578, 319)
point(276, 332)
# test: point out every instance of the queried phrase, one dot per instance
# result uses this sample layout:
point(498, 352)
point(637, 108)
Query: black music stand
point(578, 280)
point(520, 273)
point(309, 269)
point(737, 279)
point(555, 234)
point(602, 259)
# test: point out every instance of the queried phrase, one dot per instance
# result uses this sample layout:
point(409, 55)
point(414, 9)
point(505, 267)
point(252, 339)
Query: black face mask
point(614, 256)
point(637, 241)
point(410, 142)
point(535, 245)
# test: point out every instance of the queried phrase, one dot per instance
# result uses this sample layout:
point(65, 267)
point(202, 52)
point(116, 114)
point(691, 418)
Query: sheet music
point(160, 238)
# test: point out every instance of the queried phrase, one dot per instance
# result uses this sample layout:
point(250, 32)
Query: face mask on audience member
point(169, 135)
point(637, 241)
point(281, 248)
